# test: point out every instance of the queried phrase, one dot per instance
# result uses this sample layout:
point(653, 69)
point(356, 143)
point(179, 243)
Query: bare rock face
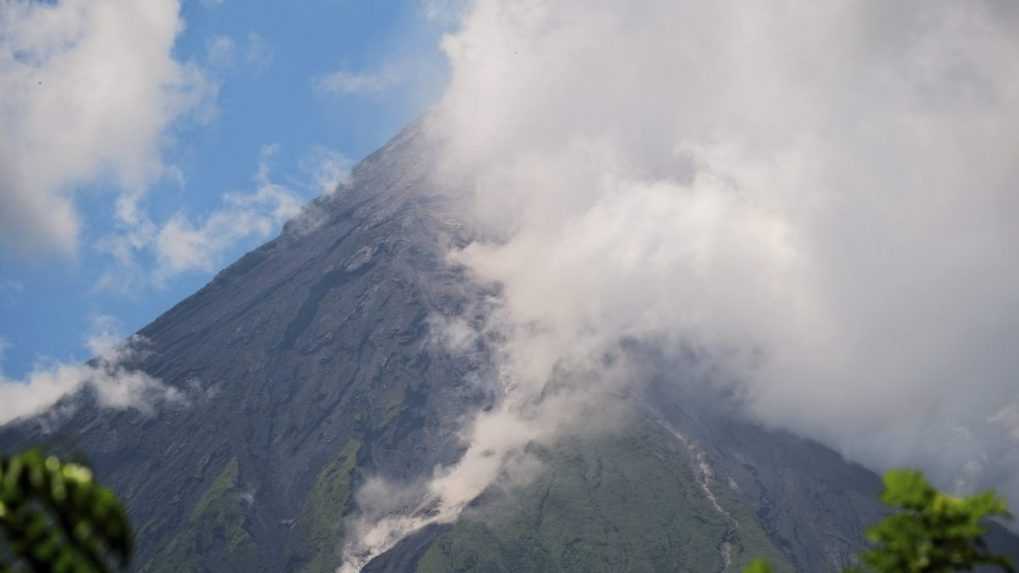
point(309, 365)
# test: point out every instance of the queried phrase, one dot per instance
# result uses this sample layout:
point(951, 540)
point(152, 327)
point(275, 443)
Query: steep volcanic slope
point(693, 489)
point(309, 366)
point(308, 357)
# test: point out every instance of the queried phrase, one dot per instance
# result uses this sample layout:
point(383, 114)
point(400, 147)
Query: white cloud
point(182, 245)
point(327, 169)
point(351, 83)
point(117, 385)
point(452, 334)
point(221, 51)
point(258, 53)
point(89, 88)
point(148, 253)
point(444, 12)
point(224, 53)
point(819, 199)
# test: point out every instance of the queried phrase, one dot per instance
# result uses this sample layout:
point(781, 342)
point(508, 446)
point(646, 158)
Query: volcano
point(310, 366)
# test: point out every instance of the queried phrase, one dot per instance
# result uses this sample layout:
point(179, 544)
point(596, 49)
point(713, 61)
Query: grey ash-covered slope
point(308, 366)
point(307, 358)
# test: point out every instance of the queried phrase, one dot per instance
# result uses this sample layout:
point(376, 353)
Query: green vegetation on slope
point(217, 524)
point(608, 503)
point(322, 519)
point(392, 404)
point(930, 532)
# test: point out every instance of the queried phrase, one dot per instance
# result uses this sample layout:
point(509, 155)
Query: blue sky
point(273, 102)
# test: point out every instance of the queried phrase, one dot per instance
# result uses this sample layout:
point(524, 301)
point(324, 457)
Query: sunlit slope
point(311, 366)
point(630, 502)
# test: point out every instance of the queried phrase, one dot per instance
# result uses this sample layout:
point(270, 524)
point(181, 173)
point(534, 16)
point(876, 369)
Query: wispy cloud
point(258, 53)
point(111, 375)
point(326, 169)
point(147, 253)
point(443, 12)
point(183, 245)
point(253, 53)
point(344, 82)
point(221, 51)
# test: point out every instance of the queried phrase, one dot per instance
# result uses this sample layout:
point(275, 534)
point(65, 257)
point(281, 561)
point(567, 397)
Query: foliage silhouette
point(56, 518)
point(930, 531)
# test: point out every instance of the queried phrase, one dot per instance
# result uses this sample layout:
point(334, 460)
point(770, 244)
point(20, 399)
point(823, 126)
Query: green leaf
point(758, 566)
point(55, 517)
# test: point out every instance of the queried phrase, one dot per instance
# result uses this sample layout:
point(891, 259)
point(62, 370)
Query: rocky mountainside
point(309, 366)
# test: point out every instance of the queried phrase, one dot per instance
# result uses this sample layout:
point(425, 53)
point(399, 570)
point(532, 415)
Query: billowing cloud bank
point(819, 198)
point(821, 195)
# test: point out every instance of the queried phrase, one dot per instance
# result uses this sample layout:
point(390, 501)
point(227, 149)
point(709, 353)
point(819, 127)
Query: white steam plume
point(820, 195)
